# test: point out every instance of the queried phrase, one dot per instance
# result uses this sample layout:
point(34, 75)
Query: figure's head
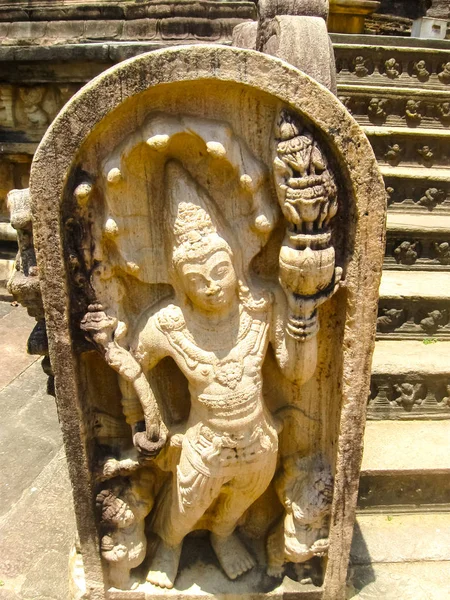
point(203, 261)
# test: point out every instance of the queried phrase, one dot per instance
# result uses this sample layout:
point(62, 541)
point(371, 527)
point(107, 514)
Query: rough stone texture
point(36, 536)
point(288, 30)
point(231, 68)
point(439, 9)
point(279, 39)
point(26, 395)
point(269, 9)
point(166, 22)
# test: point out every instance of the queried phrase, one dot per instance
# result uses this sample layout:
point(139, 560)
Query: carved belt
point(233, 405)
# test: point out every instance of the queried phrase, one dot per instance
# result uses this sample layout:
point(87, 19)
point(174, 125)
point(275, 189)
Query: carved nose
point(213, 288)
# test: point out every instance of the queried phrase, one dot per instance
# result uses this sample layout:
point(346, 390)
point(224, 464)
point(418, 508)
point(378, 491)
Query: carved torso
point(228, 422)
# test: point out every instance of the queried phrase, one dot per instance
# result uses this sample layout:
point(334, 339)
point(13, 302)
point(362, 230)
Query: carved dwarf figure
point(420, 70)
point(431, 198)
point(377, 108)
point(361, 66)
point(444, 75)
point(426, 153)
point(30, 106)
point(392, 68)
point(123, 506)
point(394, 154)
point(412, 111)
point(406, 253)
point(444, 111)
point(305, 488)
point(442, 250)
point(409, 394)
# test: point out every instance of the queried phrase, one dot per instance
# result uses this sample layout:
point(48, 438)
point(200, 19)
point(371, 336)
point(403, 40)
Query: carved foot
point(275, 571)
point(232, 555)
point(164, 566)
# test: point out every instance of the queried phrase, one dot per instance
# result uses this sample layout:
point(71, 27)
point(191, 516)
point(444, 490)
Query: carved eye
point(221, 271)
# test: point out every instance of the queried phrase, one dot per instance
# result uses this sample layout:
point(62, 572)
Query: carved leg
point(275, 550)
point(185, 501)
point(119, 575)
point(164, 565)
point(238, 495)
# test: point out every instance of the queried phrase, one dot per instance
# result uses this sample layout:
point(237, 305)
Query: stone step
point(401, 556)
point(425, 580)
point(413, 148)
point(417, 242)
point(418, 190)
point(391, 61)
point(406, 466)
point(397, 107)
point(400, 538)
point(414, 305)
point(410, 380)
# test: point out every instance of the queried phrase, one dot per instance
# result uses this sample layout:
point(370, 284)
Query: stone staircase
point(398, 89)
point(401, 547)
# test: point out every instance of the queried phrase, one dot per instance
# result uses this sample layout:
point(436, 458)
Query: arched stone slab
point(207, 124)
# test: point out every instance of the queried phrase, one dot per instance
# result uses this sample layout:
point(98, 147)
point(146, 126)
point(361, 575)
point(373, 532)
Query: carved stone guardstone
point(209, 233)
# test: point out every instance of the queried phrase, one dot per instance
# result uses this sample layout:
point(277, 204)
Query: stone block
point(103, 30)
point(27, 30)
point(139, 29)
point(66, 30)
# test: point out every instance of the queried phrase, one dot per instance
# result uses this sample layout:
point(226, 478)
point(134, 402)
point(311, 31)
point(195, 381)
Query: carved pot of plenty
point(306, 272)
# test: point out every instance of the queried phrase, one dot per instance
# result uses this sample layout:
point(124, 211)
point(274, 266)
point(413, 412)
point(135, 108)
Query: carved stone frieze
point(409, 397)
point(411, 149)
point(423, 250)
point(170, 21)
point(413, 319)
point(400, 67)
point(417, 194)
point(424, 109)
point(192, 240)
point(30, 109)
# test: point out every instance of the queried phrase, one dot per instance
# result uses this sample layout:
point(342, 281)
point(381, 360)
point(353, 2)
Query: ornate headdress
point(196, 237)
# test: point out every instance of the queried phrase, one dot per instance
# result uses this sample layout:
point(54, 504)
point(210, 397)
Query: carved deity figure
point(217, 328)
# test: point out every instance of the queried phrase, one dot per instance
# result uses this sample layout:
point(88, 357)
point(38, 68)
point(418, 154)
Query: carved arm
point(307, 273)
point(105, 333)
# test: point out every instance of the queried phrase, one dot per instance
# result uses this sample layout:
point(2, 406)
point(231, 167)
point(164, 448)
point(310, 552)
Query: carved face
point(211, 286)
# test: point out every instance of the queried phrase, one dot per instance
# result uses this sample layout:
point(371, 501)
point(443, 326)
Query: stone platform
point(395, 554)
